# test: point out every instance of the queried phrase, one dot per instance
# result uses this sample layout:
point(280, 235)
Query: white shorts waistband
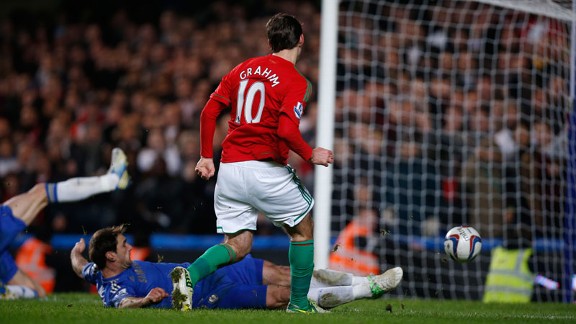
point(254, 164)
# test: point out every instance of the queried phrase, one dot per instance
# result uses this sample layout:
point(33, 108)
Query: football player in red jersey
point(267, 96)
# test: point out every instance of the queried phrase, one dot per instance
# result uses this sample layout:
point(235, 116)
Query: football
point(463, 243)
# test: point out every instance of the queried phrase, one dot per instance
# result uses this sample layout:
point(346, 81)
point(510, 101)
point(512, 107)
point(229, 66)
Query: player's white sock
point(330, 278)
point(356, 280)
point(76, 189)
point(362, 290)
point(328, 297)
point(16, 292)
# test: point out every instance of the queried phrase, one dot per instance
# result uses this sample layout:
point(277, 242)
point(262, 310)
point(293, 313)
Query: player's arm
point(77, 259)
point(289, 132)
point(154, 296)
point(208, 119)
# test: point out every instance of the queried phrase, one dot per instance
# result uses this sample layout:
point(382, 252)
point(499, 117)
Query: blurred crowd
point(451, 112)
point(71, 89)
point(447, 112)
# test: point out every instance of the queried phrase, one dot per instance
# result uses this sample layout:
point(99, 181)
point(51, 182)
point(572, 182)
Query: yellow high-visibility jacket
point(509, 278)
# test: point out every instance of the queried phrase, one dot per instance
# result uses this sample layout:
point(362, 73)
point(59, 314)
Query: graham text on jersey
point(263, 72)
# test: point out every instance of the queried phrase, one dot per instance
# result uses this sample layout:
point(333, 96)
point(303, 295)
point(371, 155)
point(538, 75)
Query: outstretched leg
point(330, 278)
point(27, 205)
point(19, 211)
point(344, 287)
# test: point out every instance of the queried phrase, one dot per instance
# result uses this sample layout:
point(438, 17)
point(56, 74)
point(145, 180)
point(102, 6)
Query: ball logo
point(464, 234)
point(298, 109)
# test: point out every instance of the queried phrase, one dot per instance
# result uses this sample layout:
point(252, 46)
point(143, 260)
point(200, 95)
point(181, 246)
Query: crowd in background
point(452, 113)
point(433, 93)
point(447, 113)
point(71, 89)
point(416, 96)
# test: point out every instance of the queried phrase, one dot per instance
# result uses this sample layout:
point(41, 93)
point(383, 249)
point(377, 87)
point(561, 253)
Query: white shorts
point(245, 189)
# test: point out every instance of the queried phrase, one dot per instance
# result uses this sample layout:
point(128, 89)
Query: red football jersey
point(259, 91)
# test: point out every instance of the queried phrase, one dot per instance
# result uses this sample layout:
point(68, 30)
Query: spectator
point(412, 198)
point(483, 185)
point(8, 160)
point(356, 243)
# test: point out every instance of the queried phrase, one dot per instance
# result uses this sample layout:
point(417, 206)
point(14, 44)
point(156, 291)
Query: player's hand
point(205, 168)
point(156, 295)
point(79, 247)
point(322, 156)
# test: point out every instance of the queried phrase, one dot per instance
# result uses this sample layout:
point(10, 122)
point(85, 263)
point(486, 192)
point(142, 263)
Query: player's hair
point(283, 32)
point(102, 241)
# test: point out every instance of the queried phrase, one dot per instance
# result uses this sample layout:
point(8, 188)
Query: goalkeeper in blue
point(19, 211)
point(249, 283)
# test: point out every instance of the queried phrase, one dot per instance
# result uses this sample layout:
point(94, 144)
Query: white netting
point(557, 9)
point(449, 113)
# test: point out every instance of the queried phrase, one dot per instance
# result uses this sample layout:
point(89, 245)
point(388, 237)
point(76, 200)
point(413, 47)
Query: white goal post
point(325, 130)
point(450, 112)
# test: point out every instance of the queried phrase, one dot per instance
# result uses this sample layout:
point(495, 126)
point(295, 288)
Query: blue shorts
point(235, 286)
point(8, 267)
point(10, 227)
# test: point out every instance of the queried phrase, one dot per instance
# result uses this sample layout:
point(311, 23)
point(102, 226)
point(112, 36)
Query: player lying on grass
point(249, 283)
point(19, 211)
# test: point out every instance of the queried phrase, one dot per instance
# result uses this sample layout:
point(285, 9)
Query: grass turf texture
point(87, 308)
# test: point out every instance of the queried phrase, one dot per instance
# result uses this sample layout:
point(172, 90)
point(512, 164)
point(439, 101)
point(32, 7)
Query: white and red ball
point(463, 243)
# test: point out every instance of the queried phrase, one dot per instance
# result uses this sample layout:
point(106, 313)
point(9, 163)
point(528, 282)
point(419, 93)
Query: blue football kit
point(234, 286)
point(10, 227)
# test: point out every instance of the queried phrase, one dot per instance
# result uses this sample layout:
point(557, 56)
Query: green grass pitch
point(87, 308)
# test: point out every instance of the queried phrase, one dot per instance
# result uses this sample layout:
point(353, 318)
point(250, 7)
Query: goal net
point(455, 112)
